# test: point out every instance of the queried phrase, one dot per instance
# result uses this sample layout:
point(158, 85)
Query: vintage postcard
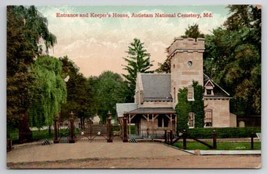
point(135, 87)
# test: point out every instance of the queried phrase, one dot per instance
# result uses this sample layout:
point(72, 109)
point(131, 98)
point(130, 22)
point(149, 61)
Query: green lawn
point(220, 145)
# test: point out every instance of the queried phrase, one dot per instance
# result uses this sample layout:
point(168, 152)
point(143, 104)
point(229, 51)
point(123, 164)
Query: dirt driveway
point(120, 155)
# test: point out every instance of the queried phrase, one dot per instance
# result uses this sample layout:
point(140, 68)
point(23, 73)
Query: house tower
point(186, 57)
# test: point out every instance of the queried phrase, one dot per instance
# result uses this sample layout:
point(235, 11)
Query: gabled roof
point(217, 90)
point(209, 83)
point(156, 86)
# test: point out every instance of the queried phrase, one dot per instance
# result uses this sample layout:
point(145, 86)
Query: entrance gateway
point(89, 131)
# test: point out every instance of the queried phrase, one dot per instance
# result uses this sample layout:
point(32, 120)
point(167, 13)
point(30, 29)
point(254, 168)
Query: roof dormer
point(209, 88)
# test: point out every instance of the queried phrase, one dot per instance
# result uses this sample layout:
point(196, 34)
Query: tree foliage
point(233, 58)
point(193, 32)
point(109, 89)
point(184, 107)
point(26, 31)
point(182, 110)
point(197, 106)
point(76, 87)
point(138, 60)
point(49, 92)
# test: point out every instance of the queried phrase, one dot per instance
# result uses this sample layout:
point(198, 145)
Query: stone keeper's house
point(156, 94)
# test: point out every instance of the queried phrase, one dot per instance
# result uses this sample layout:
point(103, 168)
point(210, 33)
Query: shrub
point(223, 132)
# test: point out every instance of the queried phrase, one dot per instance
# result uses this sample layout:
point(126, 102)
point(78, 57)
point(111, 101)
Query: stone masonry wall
point(220, 112)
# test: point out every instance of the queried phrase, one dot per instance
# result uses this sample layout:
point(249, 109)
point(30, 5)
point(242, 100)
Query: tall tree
point(79, 92)
point(233, 58)
point(49, 91)
point(26, 29)
point(138, 60)
point(191, 32)
point(109, 90)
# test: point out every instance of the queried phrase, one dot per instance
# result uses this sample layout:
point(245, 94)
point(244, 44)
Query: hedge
point(223, 132)
point(39, 135)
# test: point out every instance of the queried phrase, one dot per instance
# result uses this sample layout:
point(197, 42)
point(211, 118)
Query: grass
point(220, 145)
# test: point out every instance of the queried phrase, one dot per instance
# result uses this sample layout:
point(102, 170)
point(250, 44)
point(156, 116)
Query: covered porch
point(150, 122)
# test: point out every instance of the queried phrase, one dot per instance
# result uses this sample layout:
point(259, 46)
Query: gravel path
point(82, 150)
point(120, 155)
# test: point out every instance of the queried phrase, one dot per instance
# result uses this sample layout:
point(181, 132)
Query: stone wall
point(220, 112)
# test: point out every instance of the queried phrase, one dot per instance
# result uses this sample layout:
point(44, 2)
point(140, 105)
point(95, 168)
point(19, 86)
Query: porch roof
point(152, 111)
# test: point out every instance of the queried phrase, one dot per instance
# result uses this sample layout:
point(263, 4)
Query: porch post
point(148, 125)
point(175, 124)
point(129, 124)
point(125, 137)
point(152, 127)
point(171, 121)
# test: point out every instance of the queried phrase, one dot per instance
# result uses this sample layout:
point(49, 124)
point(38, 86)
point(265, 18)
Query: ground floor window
point(162, 121)
point(208, 118)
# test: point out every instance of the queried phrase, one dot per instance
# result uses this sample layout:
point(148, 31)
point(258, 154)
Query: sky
point(98, 44)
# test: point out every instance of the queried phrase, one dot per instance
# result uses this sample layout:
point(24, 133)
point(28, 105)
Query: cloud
point(97, 44)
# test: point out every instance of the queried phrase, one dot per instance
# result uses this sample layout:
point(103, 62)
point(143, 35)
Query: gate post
point(171, 136)
point(252, 141)
point(165, 136)
point(56, 130)
point(125, 136)
point(184, 139)
point(109, 128)
point(71, 140)
point(214, 137)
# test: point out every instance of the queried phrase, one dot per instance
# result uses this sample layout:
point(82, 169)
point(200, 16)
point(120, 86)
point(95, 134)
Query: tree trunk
point(25, 134)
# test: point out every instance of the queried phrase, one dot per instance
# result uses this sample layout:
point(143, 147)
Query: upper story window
point(189, 63)
point(209, 91)
point(209, 88)
point(191, 120)
point(190, 93)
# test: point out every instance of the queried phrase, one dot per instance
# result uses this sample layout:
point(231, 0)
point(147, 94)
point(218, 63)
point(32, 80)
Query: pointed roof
point(156, 86)
point(217, 90)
